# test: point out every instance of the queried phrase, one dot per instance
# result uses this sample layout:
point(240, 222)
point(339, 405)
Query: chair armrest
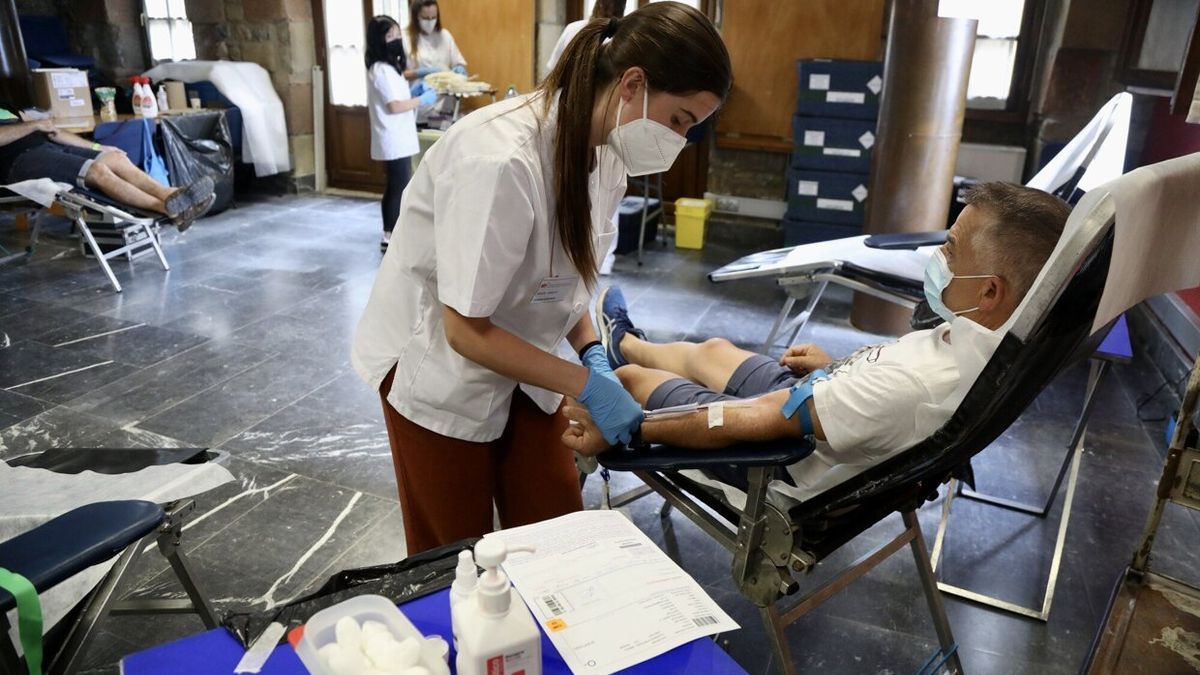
point(905, 241)
point(61, 548)
point(669, 458)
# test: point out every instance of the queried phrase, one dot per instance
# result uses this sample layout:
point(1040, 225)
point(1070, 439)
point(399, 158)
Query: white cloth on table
point(1107, 163)
point(42, 191)
point(1157, 235)
point(31, 497)
point(393, 135)
point(249, 87)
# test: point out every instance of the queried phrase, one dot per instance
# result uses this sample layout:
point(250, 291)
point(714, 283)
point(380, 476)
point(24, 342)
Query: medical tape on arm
point(797, 401)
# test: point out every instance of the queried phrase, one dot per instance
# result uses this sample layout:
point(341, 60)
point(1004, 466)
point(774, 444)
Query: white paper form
point(606, 595)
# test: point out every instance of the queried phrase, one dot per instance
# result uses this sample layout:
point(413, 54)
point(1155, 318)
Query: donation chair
point(107, 229)
point(63, 547)
point(1051, 330)
point(892, 266)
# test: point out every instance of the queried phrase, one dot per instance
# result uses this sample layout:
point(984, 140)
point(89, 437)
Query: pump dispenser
point(495, 635)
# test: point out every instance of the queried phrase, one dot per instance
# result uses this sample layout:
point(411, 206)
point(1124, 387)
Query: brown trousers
point(447, 486)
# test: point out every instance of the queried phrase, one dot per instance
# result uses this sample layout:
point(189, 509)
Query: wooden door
point(497, 39)
point(347, 126)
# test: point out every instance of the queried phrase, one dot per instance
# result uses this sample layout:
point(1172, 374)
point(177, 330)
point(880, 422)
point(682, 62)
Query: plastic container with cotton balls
point(369, 635)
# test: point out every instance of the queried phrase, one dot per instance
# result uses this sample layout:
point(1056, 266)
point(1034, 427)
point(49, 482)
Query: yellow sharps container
point(690, 216)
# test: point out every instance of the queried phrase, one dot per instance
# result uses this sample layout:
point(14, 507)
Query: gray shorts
point(757, 375)
point(62, 163)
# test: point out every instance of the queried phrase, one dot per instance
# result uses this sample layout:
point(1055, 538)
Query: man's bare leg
point(710, 363)
point(119, 163)
point(100, 176)
point(640, 382)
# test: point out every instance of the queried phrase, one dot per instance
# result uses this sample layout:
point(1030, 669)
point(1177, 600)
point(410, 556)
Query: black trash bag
point(197, 145)
point(411, 578)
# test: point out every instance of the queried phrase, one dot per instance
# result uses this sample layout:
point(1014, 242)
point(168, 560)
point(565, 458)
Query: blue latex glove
point(596, 361)
point(460, 69)
point(429, 98)
point(613, 410)
point(417, 88)
point(425, 70)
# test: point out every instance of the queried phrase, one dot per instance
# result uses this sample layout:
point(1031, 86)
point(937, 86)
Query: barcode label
point(702, 621)
point(552, 604)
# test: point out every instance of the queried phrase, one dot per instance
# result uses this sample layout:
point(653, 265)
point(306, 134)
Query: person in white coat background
point(603, 9)
point(429, 45)
point(391, 106)
point(493, 260)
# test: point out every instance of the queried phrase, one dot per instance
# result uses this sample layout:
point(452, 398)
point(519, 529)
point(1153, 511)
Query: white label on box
point(818, 82)
point(860, 193)
point(808, 188)
point(68, 79)
point(77, 102)
point(66, 94)
point(875, 84)
point(816, 138)
point(835, 204)
point(845, 97)
point(844, 152)
point(867, 139)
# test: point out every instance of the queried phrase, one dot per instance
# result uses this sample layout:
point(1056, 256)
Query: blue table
point(217, 651)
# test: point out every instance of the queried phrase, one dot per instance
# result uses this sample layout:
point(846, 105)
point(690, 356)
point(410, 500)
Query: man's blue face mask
point(937, 277)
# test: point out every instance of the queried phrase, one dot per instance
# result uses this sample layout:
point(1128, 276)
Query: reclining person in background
point(31, 150)
point(861, 409)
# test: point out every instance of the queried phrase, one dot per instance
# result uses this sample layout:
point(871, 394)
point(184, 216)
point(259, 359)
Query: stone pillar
point(16, 87)
point(926, 67)
point(552, 16)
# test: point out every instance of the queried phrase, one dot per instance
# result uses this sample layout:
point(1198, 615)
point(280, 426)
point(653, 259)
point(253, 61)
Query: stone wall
point(277, 35)
point(108, 30)
point(551, 17)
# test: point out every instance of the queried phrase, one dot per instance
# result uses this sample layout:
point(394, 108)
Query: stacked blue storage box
point(834, 131)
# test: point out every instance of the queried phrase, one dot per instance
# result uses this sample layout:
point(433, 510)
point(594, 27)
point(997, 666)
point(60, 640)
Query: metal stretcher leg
point(9, 661)
point(157, 247)
point(86, 233)
point(785, 321)
point(1070, 467)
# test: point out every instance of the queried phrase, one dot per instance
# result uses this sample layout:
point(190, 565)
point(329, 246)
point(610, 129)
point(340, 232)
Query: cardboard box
point(839, 88)
point(831, 144)
point(826, 197)
point(63, 92)
point(799, 232)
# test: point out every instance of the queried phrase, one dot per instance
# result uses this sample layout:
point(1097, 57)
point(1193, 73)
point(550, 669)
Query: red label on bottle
point(495, 665)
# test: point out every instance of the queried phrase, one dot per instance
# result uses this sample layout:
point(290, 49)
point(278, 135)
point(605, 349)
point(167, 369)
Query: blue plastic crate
point(827, 197)
point(831, 144)
point(839, 88)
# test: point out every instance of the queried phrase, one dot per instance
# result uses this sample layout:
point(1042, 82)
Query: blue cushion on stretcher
point(55, 551)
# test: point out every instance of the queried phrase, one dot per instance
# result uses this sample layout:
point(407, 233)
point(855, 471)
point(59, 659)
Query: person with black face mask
point(391, 104)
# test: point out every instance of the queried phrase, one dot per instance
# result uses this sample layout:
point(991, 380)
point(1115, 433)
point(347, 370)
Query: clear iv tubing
point(689, 409)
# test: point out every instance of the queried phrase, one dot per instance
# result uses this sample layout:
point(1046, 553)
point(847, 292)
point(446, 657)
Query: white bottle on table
point(462, 590)
point(135, 101)
point(149, 103)
point(496, 634)
point(162, 99)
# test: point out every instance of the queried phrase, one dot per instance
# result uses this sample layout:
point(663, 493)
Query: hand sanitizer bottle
point(496, 635)
point(462, 590)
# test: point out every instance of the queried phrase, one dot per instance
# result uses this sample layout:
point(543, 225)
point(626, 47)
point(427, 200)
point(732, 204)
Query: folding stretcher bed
point(1050, 331)
point(107, 229)
point(891, 267)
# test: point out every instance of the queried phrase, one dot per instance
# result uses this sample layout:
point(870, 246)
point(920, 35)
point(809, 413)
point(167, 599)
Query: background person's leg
point(104, 179)
point(710, 363)
point(445, 484)
point(398, 174)
point(536, 477)
point(119, 163)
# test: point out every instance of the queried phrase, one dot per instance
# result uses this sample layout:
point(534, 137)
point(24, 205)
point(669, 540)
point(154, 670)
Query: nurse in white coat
point(391, 106)
point(491, 266)
point(603, 9)
point(430, 47)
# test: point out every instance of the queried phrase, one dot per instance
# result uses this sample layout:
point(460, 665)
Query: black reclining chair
point(1051, 330)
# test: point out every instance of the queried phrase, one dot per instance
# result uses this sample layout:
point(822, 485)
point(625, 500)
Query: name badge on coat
point(554, 289)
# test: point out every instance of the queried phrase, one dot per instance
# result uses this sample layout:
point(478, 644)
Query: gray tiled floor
point(243, 346)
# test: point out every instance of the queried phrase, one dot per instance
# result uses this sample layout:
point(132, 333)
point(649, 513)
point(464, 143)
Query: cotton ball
point(348, 662)
point(372, 628)
point(394, 656)
point(327, 653)
point(349, 634)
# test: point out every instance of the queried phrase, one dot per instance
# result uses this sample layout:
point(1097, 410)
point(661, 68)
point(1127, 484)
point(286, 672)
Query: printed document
point(606, 595)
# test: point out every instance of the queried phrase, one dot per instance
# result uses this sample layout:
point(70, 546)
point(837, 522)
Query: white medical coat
point(438, 51)
point(572, 29)
point(393, 135)
point(476, 233)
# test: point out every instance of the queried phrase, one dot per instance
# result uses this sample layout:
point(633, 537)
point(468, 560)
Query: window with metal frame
point(168, 30)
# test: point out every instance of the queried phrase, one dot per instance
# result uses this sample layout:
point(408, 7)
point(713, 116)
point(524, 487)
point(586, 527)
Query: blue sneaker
point(612, 315)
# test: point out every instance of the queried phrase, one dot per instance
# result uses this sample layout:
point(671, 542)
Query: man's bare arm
point(747, 421)
point(68, 138)
point(11, 133)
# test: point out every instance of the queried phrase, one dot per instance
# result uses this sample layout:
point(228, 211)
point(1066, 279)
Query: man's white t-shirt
point(885, 399)
point(393, 135)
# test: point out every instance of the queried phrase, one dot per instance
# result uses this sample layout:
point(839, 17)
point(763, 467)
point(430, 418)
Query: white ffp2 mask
point(427, 25)
point(644, 146)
